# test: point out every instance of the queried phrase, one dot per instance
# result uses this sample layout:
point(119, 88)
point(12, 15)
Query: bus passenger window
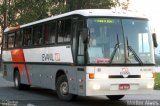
point(67, 30)
point(11, 40)
point(46, 33)
point(18, 39)
point(37, 35)
point(64, 31)
point(60, 31)
point(50, 32)
point(27, 36)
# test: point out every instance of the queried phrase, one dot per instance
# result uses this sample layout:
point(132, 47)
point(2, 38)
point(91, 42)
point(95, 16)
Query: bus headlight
point(150, 86)
point(98, 76)
point(96, 86)
point(147, 75)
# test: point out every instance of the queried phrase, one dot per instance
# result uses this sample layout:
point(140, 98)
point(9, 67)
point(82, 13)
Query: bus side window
point(64, 31)
point(67, 30)
point(27, 36)
point(50, 32)
point(18, 39)
point(11, 40)
point(46, 33)
point(37, 35)
point(60, 31)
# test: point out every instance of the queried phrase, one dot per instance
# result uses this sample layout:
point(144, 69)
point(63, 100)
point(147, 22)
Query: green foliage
point(30, 10)
point(25, 11)
point(88, 4)
point(157, 81)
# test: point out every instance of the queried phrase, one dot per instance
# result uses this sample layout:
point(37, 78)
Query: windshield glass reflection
point(119, 41)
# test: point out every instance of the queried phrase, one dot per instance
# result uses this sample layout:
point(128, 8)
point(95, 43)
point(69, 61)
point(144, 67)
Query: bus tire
point(17, 80)
point(115, 97)
point(62, 89)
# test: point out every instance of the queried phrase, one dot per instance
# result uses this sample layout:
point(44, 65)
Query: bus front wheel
point(62, 89)
point(115, 97)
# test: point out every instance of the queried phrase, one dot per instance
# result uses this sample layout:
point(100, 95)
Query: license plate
point(124, 87)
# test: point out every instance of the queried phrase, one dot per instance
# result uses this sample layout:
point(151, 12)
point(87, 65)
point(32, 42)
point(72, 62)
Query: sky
point(151, 8)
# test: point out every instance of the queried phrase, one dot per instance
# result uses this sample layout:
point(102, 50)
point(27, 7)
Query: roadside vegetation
point(157, 81)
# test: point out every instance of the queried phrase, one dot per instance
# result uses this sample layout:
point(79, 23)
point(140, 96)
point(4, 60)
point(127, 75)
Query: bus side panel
point(81, 81)
point(45, 76)
point(15, 56)
point(8, 69)
point(42, 75)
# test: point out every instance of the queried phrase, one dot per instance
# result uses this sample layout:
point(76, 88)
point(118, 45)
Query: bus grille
point(120, 76)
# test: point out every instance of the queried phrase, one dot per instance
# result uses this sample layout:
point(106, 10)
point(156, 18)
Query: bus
point(86, 52)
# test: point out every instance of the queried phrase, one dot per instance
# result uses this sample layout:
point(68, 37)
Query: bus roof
point(86, 13)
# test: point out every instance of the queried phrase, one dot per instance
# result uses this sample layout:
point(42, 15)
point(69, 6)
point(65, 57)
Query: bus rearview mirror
point(154, 40)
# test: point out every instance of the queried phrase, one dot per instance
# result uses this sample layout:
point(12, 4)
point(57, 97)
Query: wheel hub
point(64, 88)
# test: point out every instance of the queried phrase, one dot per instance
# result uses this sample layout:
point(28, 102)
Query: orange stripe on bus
point(18, 56)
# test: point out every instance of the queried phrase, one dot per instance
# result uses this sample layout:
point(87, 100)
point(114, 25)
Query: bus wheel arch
point(58, 74)
point(14, 72)
point(17, 80)
point(62, 87)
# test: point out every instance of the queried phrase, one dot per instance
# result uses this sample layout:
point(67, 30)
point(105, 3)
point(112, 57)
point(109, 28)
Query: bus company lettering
point(51, 57)
point(47, 57)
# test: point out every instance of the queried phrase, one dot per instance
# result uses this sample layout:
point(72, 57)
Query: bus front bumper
point(119, 86)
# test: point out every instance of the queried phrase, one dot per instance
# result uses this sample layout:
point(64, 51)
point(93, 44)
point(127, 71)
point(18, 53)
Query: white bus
point(84, 52)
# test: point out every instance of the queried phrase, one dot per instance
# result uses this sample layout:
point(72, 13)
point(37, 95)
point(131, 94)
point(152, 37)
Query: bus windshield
point(119, 41)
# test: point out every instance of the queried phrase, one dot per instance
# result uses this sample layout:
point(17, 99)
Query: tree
point(24, 11)
point(3, 14)
point(30, 10)
point(124, 4)
point(88, 4)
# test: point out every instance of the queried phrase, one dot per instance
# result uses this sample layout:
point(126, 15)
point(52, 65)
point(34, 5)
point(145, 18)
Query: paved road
point(9, 96)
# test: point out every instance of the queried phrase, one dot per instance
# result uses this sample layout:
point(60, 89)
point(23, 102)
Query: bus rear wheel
point(115, 97)
point(17, 82)
point(62, 89)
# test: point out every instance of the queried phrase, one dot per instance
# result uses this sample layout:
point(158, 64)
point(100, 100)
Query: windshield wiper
point(115, 49)
point(137, 58)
